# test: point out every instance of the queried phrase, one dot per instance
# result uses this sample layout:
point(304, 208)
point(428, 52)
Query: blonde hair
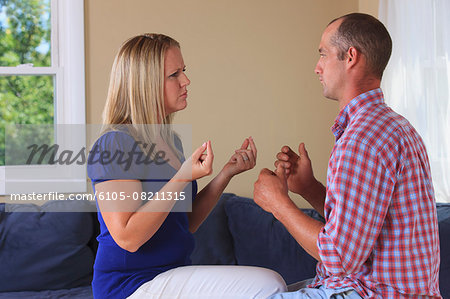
point(136, 89)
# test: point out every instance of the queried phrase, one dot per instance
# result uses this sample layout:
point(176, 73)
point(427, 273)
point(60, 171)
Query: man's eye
point(174, 74)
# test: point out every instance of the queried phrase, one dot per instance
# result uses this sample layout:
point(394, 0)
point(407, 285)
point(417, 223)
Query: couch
point(45, 254)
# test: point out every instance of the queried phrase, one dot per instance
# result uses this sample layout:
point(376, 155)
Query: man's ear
point(353, 56)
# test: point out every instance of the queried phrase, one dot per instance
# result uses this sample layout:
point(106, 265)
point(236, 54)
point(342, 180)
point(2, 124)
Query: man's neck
point(356, 89)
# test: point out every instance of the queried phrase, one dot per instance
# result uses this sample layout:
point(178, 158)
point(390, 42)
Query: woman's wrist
point(225, 175)
point(182, 176)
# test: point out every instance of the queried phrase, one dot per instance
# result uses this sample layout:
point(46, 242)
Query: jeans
point(299, 291)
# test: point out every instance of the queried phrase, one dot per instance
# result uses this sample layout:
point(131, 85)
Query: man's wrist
point(316, 190)
point(284, 204)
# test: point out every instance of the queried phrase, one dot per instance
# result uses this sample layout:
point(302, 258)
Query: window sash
point(67, 56)
point(26, 70)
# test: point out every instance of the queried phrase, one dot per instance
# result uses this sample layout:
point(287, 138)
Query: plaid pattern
point(381, 232)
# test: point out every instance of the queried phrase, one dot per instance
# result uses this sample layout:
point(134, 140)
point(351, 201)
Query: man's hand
point(270, 190)
point(300, 177)
point(271, 194)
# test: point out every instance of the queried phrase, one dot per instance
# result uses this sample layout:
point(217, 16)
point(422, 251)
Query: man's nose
point(317, 69)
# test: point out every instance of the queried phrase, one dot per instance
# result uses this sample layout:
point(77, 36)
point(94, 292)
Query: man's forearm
point(303, 228)
point(316, 196)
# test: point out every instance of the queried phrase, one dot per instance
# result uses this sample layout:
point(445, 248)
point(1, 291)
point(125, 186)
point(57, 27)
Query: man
point(380, 239)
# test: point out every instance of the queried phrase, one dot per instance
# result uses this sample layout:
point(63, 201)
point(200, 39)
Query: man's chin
point(329, 96)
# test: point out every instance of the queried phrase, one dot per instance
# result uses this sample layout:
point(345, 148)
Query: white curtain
point(416, 82)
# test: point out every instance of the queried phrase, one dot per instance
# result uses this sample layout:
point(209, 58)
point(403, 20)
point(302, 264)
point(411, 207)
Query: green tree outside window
point(25, 33)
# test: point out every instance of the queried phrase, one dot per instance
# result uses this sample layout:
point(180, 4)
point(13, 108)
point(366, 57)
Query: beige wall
point(369, 6)
point(251, 65)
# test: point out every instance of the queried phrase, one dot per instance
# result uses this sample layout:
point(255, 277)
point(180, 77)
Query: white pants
point(205, 282)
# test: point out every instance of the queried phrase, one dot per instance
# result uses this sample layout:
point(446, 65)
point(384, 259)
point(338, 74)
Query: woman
point(144, 187)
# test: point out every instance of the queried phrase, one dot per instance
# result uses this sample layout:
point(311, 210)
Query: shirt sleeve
point(359, 192)
point(114, 157)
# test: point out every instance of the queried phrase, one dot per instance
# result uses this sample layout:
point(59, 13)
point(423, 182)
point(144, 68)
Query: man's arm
point(359, 193)
point(271, 194)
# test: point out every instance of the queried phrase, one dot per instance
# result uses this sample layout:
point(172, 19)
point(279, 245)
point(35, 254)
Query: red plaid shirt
point(381, 233)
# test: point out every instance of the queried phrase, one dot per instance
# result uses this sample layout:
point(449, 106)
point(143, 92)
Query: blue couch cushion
point(213, 241)
point(45, 250)
point(261, 240)
point(84, 292)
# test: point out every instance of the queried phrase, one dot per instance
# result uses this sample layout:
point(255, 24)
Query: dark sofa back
point(45, 250)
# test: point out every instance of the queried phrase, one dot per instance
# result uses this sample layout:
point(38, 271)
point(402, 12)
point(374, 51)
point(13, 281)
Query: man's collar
point(371, 97)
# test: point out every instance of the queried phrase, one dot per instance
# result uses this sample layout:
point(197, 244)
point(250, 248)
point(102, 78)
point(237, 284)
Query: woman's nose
point(184, 80)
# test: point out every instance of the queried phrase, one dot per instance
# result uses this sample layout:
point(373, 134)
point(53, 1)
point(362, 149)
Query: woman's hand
point(199, 164)
point(243, 159)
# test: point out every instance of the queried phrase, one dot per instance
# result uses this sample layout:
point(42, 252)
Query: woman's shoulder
point(113, 156)
point(115, 135)
point(114, 139)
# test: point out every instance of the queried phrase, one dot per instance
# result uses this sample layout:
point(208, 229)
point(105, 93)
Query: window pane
point(25, 100)
point(25, 32)
point(30, 145)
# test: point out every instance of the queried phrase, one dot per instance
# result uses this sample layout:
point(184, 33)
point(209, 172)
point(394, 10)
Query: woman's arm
point(244, 159)
point(129, 223)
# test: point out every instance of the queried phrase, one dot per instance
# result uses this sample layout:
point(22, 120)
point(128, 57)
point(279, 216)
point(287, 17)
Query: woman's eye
point(177, 73)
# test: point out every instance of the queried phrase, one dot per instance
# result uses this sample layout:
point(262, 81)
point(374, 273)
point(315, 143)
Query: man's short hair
point(367, 35)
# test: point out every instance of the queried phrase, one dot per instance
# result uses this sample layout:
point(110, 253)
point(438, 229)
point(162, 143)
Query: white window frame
point(68, 68)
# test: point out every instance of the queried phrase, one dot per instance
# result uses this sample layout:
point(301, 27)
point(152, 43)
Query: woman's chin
point(183, 105)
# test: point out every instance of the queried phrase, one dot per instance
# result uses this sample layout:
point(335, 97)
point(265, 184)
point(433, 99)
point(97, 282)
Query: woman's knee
point(271, 281)
point(215, 282)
